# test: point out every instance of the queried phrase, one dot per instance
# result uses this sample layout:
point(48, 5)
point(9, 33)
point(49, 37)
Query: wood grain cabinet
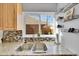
point(1, 13)
point(8, 16)
point(19, 16)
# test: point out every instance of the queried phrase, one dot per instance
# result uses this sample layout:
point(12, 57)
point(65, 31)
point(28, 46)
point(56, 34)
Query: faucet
point(25, 41)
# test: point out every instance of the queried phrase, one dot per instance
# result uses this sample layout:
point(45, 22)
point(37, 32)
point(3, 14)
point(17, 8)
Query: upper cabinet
point(1, 17)
point(8, 16)
point(19, 16)
point(19, 9)
point(76, 12)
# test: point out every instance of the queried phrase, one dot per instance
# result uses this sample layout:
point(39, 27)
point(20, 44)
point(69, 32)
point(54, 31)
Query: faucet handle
point(25, 41)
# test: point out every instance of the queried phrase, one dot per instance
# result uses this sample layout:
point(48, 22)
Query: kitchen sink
point(39, 48)
point(25, 46)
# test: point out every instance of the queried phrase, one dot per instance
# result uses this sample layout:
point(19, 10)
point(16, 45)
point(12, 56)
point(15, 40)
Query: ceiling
point(39, 7)
point(46, 7)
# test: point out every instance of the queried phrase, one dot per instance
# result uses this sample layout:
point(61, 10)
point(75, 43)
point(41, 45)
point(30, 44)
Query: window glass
point(42, 22)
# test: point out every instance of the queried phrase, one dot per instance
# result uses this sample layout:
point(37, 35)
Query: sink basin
point(39, 48)
point(25, 46)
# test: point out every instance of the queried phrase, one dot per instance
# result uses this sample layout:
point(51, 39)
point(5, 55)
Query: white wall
point(39, 7)
point(19, 21)
point(71, 40)
point(76, 9)
point(74, 23)
point(61, 5)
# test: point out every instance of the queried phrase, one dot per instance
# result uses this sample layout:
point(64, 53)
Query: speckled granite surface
point(9, 49)
point(11, 36)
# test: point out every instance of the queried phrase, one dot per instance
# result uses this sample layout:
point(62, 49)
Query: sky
point(44, 18)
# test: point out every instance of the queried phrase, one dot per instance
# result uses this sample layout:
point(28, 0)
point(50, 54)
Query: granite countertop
point(53, 49)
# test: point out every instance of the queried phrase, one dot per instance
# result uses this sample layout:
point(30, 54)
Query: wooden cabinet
point(19, 16)
point(19, 9)
point(8, 16)
point(1, 22)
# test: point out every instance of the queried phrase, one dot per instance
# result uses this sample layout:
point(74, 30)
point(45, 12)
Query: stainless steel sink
point(39, 48)
point(25, 46)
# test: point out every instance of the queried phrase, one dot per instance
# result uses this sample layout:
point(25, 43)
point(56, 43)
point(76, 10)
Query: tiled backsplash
point(11, 36)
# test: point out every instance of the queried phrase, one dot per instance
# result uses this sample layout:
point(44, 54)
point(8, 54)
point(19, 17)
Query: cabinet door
point(1, 23)
point(19, 9)
point(19, 16)
point(9, 16)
